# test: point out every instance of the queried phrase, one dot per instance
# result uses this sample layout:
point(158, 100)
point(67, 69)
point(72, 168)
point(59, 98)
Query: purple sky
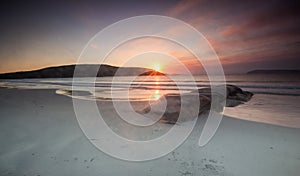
point(246, 35)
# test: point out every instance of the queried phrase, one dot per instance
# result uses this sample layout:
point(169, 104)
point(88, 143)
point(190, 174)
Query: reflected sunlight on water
point(262, 107)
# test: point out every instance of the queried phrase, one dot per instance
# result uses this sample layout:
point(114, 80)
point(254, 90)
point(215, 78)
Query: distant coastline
point(274, 72)
point(83, 70)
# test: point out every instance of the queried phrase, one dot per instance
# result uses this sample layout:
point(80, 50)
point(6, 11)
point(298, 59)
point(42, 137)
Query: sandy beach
point(40, 135)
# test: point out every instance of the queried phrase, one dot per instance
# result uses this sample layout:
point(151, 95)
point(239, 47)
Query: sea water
point(276, 98)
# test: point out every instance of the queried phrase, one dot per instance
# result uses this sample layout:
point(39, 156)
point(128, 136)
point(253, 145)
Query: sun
point(156, 67)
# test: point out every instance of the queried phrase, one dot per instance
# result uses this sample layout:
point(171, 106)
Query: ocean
point(276, 98)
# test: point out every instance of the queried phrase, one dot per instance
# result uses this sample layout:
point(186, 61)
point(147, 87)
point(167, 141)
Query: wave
point(257, 87)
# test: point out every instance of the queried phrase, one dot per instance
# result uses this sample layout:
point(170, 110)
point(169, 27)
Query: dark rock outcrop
point(234, 97)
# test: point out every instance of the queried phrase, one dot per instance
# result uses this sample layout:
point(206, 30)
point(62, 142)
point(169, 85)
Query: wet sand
point(40, 135)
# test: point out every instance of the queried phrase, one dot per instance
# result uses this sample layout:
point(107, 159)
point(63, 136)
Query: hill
point(84, 70)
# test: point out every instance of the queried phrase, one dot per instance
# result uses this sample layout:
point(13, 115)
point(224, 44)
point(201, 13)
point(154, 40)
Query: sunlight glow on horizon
point(157, 67)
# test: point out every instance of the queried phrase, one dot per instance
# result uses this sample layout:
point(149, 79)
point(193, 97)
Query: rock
point(236, 96)
point(172, 105)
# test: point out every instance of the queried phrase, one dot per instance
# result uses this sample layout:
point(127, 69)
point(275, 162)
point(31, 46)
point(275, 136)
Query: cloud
point(182, 7)
point(246, 31)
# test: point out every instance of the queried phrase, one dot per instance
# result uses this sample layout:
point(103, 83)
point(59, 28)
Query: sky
point(246, 35)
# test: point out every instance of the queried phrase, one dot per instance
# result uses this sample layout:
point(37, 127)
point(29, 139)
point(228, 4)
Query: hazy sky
point(245, 34)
